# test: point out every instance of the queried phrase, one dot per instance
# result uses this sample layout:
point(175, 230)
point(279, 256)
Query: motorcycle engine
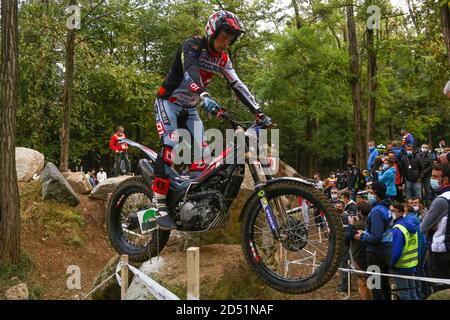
point(198, 214)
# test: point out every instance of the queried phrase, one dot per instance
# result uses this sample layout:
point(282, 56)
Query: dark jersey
point(192, 70)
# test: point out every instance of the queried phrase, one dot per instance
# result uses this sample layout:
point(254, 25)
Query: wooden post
point(193, 273)
point(349, 283)
point(123, 276)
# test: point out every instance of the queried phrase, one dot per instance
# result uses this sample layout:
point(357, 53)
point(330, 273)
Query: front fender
point(254, 197)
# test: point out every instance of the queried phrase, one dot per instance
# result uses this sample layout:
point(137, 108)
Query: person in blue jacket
point(373, 153)
point(397, 150)
point(405, 254)
point(387, 176)
point(377, 237)
point(412, 215)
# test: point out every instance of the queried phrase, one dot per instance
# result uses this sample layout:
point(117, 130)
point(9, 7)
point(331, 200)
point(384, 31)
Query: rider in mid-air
point(196, 61)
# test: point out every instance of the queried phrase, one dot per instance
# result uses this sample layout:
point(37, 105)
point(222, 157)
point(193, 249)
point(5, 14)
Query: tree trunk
point(298, 21)
point(356, 87)
point(371, 83)
point(446, 28)
point(68, 93)
point(9, 193)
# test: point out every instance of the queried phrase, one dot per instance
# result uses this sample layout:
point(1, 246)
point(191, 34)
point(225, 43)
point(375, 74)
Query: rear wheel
point(311, 242)
point(131, 196)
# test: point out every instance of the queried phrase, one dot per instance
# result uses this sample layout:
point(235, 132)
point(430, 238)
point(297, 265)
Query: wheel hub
point(293, 235)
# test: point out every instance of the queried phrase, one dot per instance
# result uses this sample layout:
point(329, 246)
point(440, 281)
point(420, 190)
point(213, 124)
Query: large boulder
point(137, 289)
point(28, 162)
point(78, 182)
point(107, 186)
point(54, 186)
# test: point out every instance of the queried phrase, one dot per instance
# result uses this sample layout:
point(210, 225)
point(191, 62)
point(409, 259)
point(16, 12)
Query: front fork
point(259, 187)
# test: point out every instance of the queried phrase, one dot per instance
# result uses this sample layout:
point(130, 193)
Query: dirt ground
point(51, 256)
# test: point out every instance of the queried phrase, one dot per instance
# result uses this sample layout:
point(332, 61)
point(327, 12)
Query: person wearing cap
point(377, 237)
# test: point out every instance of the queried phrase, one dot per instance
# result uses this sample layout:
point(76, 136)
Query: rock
point(137, 290)
point(107, 186)
point(54, 186)
point(28, 163)
point(111, 289)
point(78, 182)
point(440, 295)
point(19, 292)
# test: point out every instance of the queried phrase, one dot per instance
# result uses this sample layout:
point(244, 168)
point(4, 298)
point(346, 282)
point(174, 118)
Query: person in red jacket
point(120, 151)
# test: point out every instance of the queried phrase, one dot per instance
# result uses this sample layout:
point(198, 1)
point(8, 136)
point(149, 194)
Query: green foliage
point(125, 48)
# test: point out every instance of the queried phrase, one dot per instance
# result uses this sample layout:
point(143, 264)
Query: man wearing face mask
point(436, 226)
point(411, 167)
point(334, 195)
point(427, 164)
point(378, 237)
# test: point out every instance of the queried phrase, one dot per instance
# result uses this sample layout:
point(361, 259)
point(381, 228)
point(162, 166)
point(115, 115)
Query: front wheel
point(311, 243)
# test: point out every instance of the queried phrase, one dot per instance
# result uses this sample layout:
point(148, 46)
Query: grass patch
point(56, 218)
point(20, 270)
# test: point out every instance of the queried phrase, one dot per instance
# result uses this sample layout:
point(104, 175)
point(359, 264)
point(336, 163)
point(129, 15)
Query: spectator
point(343, 286)
point(397, 150)
point(373, 154)
point(427, 163)
point(329, 184)
point(319, 183)
point(435, 225)
point(358, 248)
point(376, 168)
point(412, 214)
point(350, 205)
point(377, 237)
point(355, 179)
point(405, 254)
point(120, 151)
point(341, 179)
point(398, 176)
point(417, 205)
point(101, 175)
point(387, 176)
point(89, 179)
point(444, 158)
point(407, 138)
point(411, 167)
point(334, 195)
